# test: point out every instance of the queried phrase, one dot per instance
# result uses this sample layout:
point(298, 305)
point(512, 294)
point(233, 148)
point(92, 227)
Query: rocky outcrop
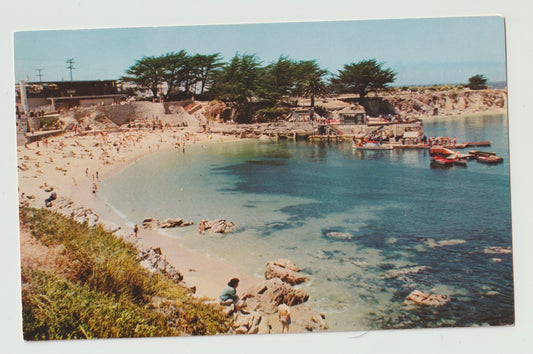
point(271, 293)
point(420, 298)
point(220, 226)
point(153, 260)
point(262, 301)
point(285, 270)
point(251, 323)
point(151, 223)
point(447, 103)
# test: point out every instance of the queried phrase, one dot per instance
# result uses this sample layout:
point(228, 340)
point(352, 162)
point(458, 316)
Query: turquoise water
point(286, 196)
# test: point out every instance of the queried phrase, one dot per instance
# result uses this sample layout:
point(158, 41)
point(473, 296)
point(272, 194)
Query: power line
point(70, 66)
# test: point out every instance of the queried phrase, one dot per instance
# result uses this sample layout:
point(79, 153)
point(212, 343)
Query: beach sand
point(74, 163)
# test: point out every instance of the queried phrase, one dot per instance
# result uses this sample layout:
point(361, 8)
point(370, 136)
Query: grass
point(103, 292)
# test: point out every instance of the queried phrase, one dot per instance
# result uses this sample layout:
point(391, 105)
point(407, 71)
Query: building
point(66, 94)
point(352, 115)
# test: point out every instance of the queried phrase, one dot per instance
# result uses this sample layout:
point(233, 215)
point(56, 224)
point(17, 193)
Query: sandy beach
point(74, 164)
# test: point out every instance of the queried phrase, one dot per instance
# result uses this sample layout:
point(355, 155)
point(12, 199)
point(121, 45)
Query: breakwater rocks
point(278, 130)
point(263, 299)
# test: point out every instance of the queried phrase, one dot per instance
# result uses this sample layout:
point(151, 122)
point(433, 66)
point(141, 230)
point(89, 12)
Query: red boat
point(441, 151)
point(442, 161)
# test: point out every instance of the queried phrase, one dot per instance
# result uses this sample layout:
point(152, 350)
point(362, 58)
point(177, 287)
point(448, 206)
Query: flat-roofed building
point(67, 94)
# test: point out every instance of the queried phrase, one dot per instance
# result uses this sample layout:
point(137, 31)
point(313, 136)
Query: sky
point(420, 51)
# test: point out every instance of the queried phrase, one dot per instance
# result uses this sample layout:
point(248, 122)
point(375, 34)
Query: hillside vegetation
point(91, 286)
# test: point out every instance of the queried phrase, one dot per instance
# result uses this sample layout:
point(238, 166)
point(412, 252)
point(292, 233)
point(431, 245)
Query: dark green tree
point(146, 73)
point(277, 79)
point(477, 82)
point(310, 80)
point(174, 65)
point(363, 77)
point(205, 68)
point(237, 84)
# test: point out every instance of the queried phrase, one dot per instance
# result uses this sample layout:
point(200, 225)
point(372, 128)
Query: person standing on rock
point(284, 315)
point(229, 297)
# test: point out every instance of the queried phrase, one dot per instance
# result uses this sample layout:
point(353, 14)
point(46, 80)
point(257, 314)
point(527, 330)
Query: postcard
point(297, 177)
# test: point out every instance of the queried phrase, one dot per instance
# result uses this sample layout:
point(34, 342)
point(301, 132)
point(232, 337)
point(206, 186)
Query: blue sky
point(421, 51)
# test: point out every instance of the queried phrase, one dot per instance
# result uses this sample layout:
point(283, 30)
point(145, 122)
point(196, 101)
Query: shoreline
point(71, 182)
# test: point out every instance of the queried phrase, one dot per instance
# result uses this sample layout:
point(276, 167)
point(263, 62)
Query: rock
point(241, 330)
point(427, 299)
point(292, 277)
point(308, 318)
point(264, 327)
point(152, 223)
point(268, 295)
point(498, 250)
point(339, 236)
point(241, 321)
point(168, 223)
point(286, 263)
point(394, 273)
point(220, 226)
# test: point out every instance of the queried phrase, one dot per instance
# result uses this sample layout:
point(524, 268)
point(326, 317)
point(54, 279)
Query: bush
point(270, 114)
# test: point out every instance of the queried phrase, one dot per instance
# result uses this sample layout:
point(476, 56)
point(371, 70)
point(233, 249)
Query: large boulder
point(269, 294)
point(220, 226)
point(308, 318)
point(420, 298)
point(284, 271)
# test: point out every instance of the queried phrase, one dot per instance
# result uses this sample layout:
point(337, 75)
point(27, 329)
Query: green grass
point(103, 292)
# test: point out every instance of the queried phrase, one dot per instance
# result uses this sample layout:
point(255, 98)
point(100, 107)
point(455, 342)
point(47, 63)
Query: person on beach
point(136, 230)
point(229, 297)
point(52, 197)
point(284, 315)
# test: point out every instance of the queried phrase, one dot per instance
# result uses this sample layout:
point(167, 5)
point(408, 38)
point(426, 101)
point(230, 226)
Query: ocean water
point(396, 211)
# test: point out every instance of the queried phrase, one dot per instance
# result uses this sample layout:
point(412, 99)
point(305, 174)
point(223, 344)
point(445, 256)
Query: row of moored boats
point(440, 155)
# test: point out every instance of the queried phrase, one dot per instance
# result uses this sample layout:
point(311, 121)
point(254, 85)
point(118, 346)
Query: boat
point(478, 143)
point(441, 151)
point(477, 153)
point(459, 162)
point(490, 159)
point(441, 161)
point(371, 145)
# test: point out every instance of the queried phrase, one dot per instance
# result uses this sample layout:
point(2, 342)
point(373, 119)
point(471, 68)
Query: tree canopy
point(477, 82)
point(246, 85)
point(363, 77)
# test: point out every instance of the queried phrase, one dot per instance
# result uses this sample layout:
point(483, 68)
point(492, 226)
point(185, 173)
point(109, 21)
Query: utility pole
point(70, 66)
point(39, 74)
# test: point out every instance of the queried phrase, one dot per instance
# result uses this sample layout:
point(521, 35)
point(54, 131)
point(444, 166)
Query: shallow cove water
point(394, 210)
